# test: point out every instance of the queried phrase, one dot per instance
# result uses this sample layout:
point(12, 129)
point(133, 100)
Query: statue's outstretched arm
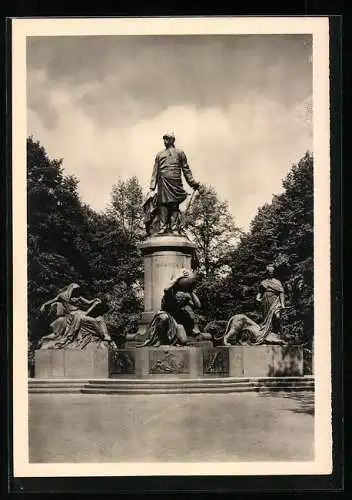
point(48, 303)
point(89, 302)
point(196, 300)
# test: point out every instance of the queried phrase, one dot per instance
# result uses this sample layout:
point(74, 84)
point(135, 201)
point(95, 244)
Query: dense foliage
point(70, 242)
point(210, 225)
point(281, 233)
point(126, 208)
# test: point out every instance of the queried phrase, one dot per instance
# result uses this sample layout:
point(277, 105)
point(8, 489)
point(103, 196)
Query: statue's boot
point(175, 222)
point(164, 220)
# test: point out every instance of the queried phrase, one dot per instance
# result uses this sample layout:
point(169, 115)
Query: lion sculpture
point(241, 330)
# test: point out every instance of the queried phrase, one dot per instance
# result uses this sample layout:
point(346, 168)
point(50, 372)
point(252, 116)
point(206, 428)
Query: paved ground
point(195, 427)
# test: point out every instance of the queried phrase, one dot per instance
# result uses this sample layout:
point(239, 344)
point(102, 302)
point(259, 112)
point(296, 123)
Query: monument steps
point(171, 386)
point(191, 389)
point(145, 391)
point(173, 381)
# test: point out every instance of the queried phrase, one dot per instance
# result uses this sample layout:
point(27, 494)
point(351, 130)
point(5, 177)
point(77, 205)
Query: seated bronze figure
point(77, 321)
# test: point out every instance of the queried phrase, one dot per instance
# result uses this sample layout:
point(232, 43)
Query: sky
point(240, 107)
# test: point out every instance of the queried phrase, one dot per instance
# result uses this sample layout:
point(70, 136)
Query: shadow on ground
point(304, 401)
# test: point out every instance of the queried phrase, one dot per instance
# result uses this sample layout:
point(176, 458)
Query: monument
point(167, 251)
point(168, 342)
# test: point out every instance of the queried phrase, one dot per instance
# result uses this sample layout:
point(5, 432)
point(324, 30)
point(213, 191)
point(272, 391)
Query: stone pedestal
point(91, 362)
point(166, 362)
point(163, 255)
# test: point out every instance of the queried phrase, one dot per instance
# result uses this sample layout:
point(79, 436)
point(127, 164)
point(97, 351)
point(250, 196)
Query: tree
point(112, 257)
point(53, 221)
point(280, 233)
point(127, 207)
point(69, 242)
point(211, 226)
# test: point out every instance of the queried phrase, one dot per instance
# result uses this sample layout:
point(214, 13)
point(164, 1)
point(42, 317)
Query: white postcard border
point(319, 28)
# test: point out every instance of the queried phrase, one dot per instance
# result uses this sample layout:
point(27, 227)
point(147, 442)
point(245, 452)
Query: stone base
point(72, 363)
point(171, 362)
point(163, 256)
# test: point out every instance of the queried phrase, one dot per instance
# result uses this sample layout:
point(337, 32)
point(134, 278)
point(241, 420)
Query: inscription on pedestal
point(122, 363)
point(168, 362)
point(216, 362)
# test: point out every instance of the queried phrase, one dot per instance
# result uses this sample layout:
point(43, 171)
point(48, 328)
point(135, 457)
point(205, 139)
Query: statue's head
point(70, 291)
point(169, 139)
point(270, 269)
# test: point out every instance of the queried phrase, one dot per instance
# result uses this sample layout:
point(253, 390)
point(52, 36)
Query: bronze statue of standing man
point(166, 189)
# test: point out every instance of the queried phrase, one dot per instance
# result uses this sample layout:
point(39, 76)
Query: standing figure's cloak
point(167, 176)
